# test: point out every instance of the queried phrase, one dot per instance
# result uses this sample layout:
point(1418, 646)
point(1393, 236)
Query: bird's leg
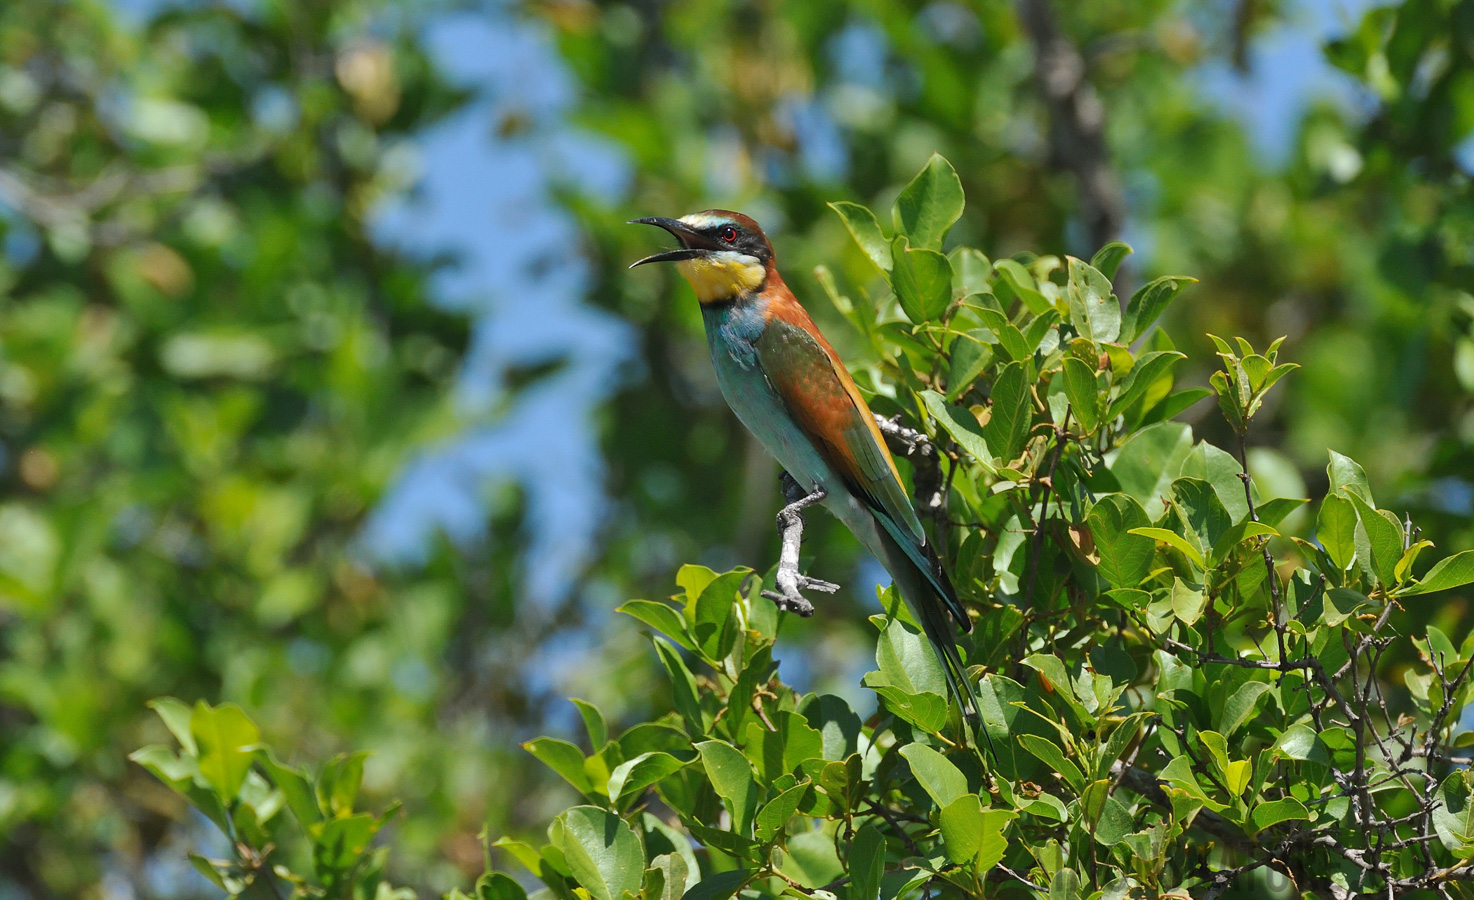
point(789, 580)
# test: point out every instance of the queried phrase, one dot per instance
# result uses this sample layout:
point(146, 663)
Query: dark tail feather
point(916, 589)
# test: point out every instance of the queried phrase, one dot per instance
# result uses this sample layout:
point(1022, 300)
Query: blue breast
point(732, 332)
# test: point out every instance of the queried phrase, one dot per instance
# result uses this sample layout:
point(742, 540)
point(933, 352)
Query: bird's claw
point(790, 600)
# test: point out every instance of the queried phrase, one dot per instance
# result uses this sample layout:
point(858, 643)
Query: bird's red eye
point(729, 234)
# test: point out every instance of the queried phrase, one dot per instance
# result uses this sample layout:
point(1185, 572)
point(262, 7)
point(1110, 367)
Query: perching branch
point(918, 450)
point(789, 580)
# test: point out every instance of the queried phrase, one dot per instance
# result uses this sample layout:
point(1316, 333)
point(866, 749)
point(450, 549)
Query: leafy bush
point(1182, 692)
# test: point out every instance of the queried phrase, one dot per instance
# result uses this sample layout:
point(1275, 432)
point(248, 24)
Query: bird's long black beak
point(691, 240)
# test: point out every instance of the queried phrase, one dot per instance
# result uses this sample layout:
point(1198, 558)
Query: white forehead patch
point(701, 221)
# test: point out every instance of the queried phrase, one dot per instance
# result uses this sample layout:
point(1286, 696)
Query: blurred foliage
point(208, 374)
point(209, 371)
point(1181, 696)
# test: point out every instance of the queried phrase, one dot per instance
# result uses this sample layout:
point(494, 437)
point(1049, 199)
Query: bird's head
point(723, 254)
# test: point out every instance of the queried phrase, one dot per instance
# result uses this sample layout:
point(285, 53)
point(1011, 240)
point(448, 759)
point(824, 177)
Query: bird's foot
point(789, 581)
point(789, 598)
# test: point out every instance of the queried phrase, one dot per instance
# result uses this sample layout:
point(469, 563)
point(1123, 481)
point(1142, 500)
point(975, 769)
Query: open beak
point(691, 240)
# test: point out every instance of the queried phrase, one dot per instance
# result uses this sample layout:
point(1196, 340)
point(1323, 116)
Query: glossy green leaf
point(867, 863)
point(631, 777)
point(1384, 537)
point(732, 777)
point(864, 228)
point(603, 852)
point(961, 425)
point(1080, 387)
point(942, 780)
point(927, 207)
point(1454, 571)
point(1108, 258)
point(1274, 812)
point(1007, 428)
point(1125, 558)
point(1148, 304)
point(1335, 529)
point(922, 280)
point(563, 758)
point(227, 740)
point(1093, 308)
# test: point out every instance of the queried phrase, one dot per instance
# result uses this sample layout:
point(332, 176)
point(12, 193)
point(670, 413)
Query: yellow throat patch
point(723, 275)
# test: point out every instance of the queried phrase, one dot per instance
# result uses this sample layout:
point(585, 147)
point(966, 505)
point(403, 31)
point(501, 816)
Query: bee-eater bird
point(787, 385)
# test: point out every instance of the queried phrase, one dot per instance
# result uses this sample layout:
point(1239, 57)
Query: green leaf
point(1345, 474)
point(663, 618)
point(714, 614)
point(176, 715)
point(603, 852)
point(867, 863)
point(1148, 303)
point(1335, 529)
point(1149, 369)
point(1276, 811)
point(563, 758)
point(295, 787)
point(1301, 742)
point(683, 686)
point(936, 774)
point(593, 723)
point(1274, 511)
point(1125, 558)
point(1188, 603)
point(811, 859)
point(1021, 283)
point(1200, 511)
point(719, 886)
point(499, 886)
point(1453, 817)
point(1384, 537)
point(928, 206)
point(1007, 430)
point(1050, 753)
point(1455, 571)
point(1241, 706)
point(666, 877)
point(776, 812)
point(1219, 469)
point(1173, 539)
point(1341, 604)
point(864, 228)
point(907, 661)
point(1148, 460)
point(227, 739)
point(1081, 389)
point(1093, 308)
point(630, 778)
point(732, 778)
point(926, 710)
point(961, 824)
point(922, 280)
point(837, 724)
point(343, 841)
point(1108, 258)
point(774, 753)
point(961, 425)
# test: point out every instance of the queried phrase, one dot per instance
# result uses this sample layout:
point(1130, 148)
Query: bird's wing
point(825, 403)
point(821, 396)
